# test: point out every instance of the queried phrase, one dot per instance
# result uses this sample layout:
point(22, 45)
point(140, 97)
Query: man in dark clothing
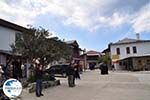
point(71, 76)
point(14, 69)
point(17, 72)
point(104, 69)
point(113, 67)
point(76, 68)
point(38, 77)
point(19, 68)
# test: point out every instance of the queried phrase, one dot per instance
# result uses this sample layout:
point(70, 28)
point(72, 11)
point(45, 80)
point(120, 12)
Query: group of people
point(12, 69)
point(72, 74)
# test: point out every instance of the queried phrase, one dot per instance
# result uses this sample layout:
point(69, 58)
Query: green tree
point(105, 59)
point(35, 43)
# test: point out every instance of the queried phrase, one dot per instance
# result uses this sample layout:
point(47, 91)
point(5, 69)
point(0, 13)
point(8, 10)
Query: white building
point(131, 54)
point(8, 33)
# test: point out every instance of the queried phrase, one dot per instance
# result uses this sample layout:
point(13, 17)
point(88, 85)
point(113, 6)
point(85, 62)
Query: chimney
point(137, 36)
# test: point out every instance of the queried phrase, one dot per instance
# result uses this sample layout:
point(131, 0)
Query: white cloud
point(141, 23)
point(21, 13)
point(118, 19)
point(90, 15)
point(53, 34)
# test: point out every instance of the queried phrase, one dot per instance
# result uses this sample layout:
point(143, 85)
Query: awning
point(76, 59)
point(10, 53)
point(6, 52)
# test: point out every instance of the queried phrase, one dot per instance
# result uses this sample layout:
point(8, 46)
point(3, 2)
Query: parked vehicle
point(58, 70)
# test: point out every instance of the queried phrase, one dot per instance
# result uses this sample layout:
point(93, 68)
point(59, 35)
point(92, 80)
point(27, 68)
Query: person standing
point(113, 67)
point(76, 68)
point(2, 80)
point(71, 76)
point(1, 73)
point(19, 68)
point(104, 68)
point(8, 69)
point(38, 77)
point(15, 70)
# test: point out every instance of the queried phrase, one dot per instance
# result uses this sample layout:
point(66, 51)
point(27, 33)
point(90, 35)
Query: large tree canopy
point(36, 44)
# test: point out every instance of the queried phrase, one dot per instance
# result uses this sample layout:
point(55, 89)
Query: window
point(139, 62)
point(128, 50)
point(120, 63)
point(118, 51)
point(148, 60)
point(18, 36)
point(134, 50)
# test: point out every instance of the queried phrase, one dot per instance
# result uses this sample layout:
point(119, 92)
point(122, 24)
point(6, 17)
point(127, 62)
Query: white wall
point(142, 49)
point(7, 37)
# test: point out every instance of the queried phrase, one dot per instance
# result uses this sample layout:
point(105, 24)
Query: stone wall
point(141, 63)
point(46, 84)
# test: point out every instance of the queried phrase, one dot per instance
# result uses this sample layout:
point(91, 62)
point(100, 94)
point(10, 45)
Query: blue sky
point(93, 23)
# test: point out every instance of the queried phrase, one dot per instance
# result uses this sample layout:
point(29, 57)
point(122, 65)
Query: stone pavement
point(118, 85)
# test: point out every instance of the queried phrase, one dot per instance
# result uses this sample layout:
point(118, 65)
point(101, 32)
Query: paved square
point(120, 85)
